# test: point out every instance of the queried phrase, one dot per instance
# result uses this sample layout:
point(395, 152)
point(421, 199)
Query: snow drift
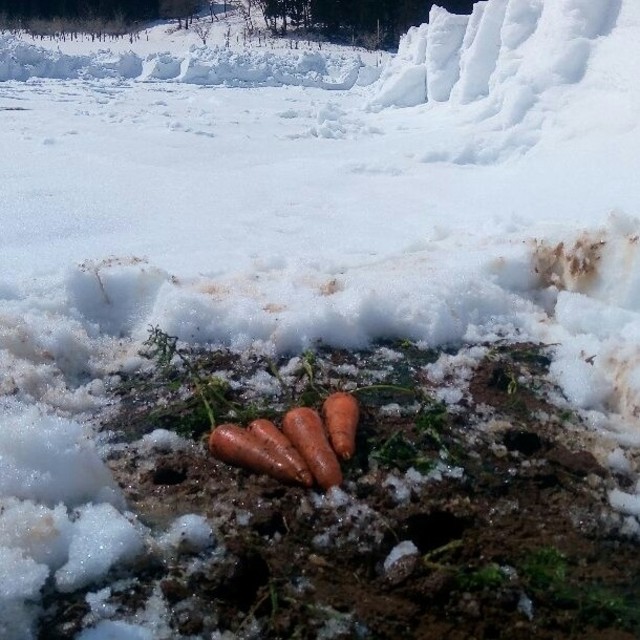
point(200, 65)
point(507, 67)
point(495, 52)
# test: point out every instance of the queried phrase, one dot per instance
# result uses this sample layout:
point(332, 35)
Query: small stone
point(579, 463)
point(401, 562)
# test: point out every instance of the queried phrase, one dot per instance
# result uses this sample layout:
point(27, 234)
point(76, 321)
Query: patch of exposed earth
point(476, 505)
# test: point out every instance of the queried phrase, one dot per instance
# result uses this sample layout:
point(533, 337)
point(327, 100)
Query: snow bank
point(498, 73)
point(200, 65)
point(496, 51)
point(53, 523)
point(596, 313)
point(21, 61)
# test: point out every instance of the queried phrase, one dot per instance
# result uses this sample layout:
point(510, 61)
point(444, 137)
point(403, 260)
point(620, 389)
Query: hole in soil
point(547, 480)
point(526, 442)
point(245, 578)
point(500, 379)
point(168, 475)
point(269, 523)
point(430, 531)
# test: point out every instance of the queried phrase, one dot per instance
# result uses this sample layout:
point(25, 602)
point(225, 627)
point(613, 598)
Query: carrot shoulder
point(267, 432)
point(304, 428)
point(341, 415)
point(237, 446)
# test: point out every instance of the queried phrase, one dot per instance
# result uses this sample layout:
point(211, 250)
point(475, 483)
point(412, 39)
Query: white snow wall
point(200, 65)
point(509, 50)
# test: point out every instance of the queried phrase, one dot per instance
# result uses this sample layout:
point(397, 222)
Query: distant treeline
point(130, 10)
point(372, 23)
point(368, 22)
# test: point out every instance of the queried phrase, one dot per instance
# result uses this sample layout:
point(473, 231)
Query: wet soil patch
point(498, 490)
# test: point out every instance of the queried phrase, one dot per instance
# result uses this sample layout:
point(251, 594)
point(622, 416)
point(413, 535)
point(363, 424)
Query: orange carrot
point(267, 432)
point(341, 414)
point(237, 446)
point(304, 428)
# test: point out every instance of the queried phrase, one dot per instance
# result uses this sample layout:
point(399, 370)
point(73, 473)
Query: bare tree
point(244, 7)
point(201, 29)
point(212, 11)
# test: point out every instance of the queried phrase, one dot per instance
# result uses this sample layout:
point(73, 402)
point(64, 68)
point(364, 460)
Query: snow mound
point(594, 275)
point(500, 71)
point(20, 61)
point(60, 514)
point(37, 452)
point(199, 65)
point(496, 50)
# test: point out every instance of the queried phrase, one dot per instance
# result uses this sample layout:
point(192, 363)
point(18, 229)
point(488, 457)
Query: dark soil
point(508, 512)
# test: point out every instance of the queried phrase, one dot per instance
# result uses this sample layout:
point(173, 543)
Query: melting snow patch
point(37, 453)
point(101, 538)
point(190, 533)
point(162, 440)
point(627, 503)
point(115, 630)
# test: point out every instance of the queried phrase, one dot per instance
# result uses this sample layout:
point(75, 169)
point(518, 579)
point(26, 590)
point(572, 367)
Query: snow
point(162, 440)
point(101, 538)
point(115, 630)
point(628, 503)
point(479, 185)
point(402, 549)
point(188, 533)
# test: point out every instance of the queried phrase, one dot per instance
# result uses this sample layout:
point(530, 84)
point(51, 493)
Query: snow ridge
point(497, 80)
point(496, 49)
point(199, 65)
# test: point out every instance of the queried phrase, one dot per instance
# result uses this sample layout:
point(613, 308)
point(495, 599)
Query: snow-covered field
point(484, 185)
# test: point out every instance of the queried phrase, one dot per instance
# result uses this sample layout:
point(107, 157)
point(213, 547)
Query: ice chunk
point(191, 533)
point(627, 503)
point(37, 452)
point(162, 440)
point(101, 537)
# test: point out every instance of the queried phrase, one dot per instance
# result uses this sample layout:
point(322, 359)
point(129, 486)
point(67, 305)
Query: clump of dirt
point(494, 486)
point(573, 268)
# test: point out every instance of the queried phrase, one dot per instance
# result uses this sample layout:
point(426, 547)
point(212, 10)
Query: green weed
point(488, 577)
point(211, 400)
point(397, 452)
point(431, 421)
point(545, 568)
point(547, 576)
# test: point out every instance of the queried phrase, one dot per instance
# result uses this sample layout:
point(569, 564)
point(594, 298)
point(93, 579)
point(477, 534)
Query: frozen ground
point(485, 185)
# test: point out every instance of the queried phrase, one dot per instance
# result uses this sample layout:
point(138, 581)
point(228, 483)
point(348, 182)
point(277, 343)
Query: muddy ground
point(470, 454)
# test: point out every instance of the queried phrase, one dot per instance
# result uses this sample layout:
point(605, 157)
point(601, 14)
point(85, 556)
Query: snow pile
point(507, 66)
point(593, 282)
point(63, 521)
point(21, 61)
point(53, 523)
point(495, 53)
point(200, 65)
